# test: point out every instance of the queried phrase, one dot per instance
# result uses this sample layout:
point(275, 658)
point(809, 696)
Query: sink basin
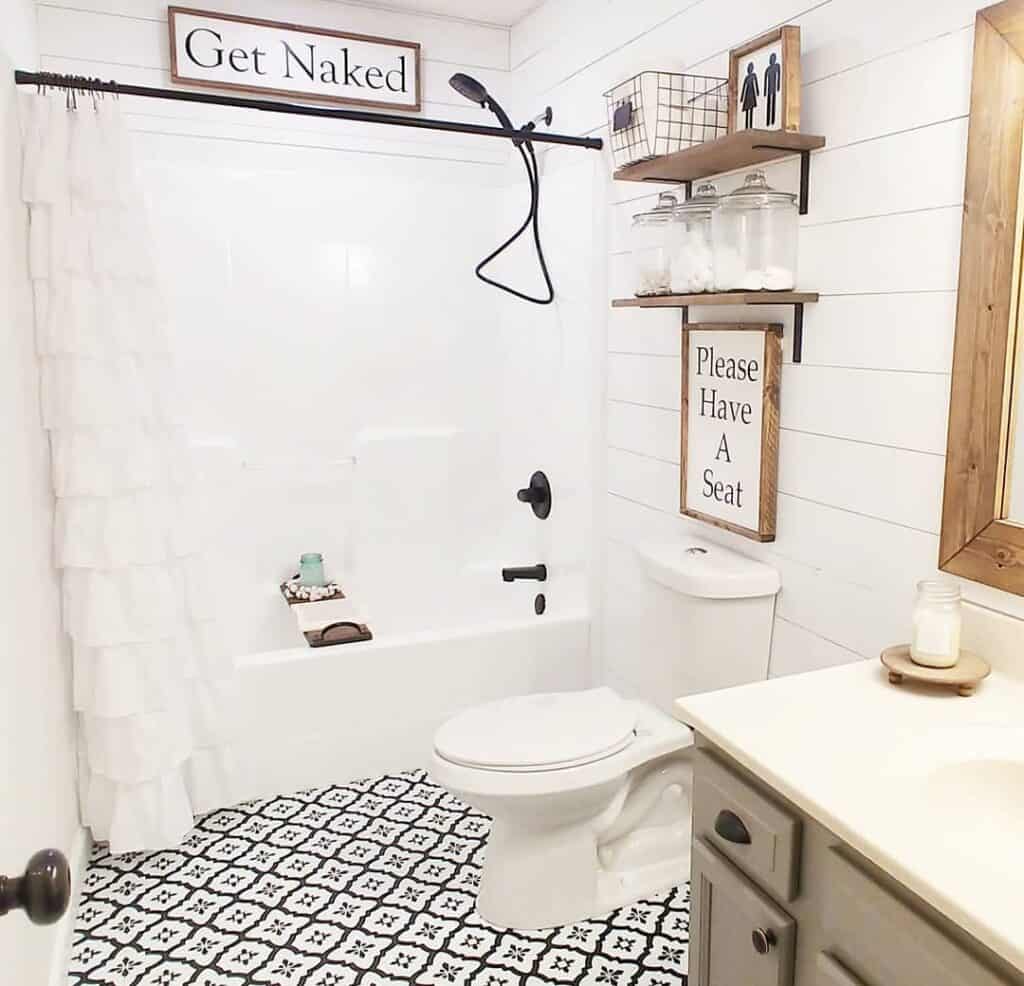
point(966, 785)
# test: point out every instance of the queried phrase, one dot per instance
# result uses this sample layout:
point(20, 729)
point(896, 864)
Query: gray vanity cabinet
point(778, 900)
point(832, 973)
point(744, 938)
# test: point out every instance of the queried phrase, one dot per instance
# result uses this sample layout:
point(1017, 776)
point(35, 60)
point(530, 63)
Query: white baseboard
point(78, 858)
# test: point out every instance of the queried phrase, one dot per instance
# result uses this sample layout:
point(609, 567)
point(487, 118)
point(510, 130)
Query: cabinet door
point(738, 936)
point(831, 973)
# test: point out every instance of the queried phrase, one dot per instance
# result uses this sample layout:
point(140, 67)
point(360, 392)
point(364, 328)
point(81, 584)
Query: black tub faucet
point(533, 573)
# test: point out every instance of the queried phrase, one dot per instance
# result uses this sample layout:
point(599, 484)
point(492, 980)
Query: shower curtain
point(151, 700)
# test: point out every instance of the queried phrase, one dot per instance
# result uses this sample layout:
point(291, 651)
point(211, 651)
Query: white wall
point(36, 729)
point(864, 415)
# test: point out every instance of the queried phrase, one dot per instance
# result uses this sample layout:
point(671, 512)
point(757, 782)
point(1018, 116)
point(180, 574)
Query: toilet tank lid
point(707, 571)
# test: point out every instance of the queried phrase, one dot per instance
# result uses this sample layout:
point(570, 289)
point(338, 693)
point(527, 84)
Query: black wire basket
point(656, 113)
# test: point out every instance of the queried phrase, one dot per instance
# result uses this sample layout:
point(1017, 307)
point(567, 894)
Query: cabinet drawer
point(830, 973)
point(886, 940)
point(738, 937)
point(755, 832)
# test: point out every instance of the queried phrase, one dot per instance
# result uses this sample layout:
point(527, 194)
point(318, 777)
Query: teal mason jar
point(311, 569)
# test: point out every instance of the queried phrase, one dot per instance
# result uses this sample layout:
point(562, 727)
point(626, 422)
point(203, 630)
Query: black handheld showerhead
point(466, 85)
point(474, 91)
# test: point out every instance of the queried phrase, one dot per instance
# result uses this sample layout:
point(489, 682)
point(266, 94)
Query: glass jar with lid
point(654, 240)
point(693, 262)
point(754, 231)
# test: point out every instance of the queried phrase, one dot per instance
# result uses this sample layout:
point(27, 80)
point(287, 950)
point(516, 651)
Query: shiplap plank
point(130, 41)
point(891, 484)
point(645, 380)
point(646, 430)
point(645, 480)
point(858, 404)
point(443, 38)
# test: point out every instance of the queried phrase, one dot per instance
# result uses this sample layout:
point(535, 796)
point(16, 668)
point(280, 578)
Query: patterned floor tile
point(372, 883)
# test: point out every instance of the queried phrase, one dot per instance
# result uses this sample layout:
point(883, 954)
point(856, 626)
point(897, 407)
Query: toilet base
point(542, 879)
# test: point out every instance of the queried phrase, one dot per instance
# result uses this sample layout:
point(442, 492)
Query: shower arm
point(82, 84)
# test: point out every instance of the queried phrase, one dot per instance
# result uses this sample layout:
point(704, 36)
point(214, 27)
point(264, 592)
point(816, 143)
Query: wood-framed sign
point(730, 426)
point(228, 51)
point(764, 82)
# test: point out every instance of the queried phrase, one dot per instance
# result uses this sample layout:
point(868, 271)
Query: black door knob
point(42, 891)
point(763, 939)
point(730, 827)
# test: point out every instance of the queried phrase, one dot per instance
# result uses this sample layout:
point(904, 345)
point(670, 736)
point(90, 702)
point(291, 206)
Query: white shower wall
point(351, 387)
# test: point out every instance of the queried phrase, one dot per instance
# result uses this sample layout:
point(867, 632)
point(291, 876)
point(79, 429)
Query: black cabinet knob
point(763, 939)
point(42, 891)
point(731, 828)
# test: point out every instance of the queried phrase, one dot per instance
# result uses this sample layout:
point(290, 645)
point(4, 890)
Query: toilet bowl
point(589, 796)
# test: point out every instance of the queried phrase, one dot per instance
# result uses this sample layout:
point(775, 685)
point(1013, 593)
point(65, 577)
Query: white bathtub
point(311, 717)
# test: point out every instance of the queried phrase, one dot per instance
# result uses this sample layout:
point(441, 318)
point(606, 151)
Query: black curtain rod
point(270, 106)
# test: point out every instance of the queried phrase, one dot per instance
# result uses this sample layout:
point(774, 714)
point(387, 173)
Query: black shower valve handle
point(537, 495)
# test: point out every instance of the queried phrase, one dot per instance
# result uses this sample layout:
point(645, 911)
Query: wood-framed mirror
point(983, 505)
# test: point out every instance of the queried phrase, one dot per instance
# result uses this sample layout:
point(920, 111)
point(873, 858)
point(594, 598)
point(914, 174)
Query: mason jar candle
point(937, 624)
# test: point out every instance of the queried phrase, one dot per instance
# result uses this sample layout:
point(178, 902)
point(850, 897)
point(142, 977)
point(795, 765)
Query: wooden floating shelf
point(728, 153)
point(719, 298)
point(683, 302)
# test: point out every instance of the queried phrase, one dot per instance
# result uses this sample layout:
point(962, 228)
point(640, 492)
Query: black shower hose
point(532, 219)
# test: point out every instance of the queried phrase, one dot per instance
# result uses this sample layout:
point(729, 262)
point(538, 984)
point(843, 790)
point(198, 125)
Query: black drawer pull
point(731, 828)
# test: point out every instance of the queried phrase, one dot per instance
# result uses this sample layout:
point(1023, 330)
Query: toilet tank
point(706, 622)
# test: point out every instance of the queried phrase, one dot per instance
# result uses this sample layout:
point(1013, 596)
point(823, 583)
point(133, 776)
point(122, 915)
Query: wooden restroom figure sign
point(749, 95)
point(772, 88)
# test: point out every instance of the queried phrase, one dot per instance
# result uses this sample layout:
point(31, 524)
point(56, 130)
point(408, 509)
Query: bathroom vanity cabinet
point(778, 900)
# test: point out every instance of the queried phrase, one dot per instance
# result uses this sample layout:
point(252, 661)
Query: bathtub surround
point(369, 882)
point(149, 689)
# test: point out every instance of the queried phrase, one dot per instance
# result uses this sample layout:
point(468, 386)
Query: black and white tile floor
point(371, 883)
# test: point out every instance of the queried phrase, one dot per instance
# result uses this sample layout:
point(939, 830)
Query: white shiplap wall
point(864, 416)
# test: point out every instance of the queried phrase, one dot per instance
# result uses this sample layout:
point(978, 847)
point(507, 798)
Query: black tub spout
point(534, 573)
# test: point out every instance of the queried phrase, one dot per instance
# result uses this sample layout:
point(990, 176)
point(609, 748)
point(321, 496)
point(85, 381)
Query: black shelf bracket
point(798, 325)
point(805, 172)
point(798, 328)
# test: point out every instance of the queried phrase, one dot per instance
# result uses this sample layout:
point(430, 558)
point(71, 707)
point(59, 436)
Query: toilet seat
point(656, 735)
point(528, 733)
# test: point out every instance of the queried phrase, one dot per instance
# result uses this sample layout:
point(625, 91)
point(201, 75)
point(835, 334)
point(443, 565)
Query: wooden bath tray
point(964, 676)
point(344, 632)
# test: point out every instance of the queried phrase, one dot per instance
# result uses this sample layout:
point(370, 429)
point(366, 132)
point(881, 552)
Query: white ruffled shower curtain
point(151, 700)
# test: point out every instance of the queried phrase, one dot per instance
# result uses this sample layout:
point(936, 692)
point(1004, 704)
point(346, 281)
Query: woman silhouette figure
point(748, 96)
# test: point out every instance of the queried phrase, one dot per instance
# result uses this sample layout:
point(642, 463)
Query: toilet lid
point(539, 732)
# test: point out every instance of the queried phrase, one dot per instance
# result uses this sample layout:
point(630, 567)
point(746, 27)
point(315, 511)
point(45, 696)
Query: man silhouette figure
point(772, 87)
point(748, 96)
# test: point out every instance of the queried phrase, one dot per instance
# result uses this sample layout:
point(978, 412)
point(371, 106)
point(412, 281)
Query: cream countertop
point(887, 769)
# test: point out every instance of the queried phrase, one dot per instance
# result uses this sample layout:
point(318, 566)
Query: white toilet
point(590, 792)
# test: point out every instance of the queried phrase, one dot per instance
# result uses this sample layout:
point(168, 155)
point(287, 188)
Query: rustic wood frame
point(791, 78)
point(976, 541)
point(769, 480)
point(413, 46)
